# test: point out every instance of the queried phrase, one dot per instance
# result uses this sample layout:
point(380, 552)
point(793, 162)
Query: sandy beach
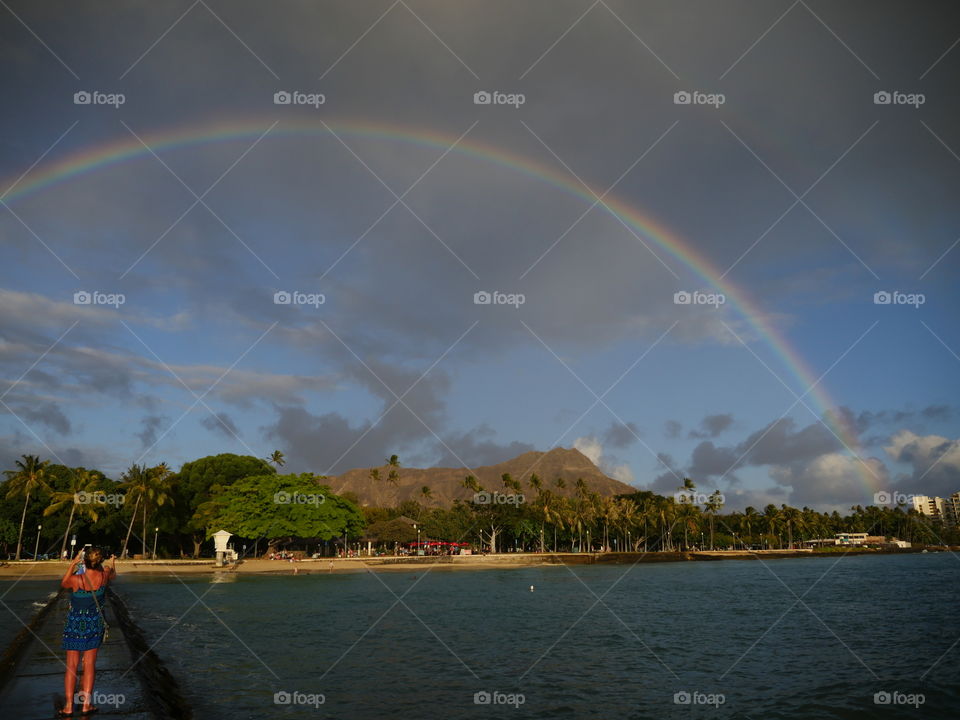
point(53, 569)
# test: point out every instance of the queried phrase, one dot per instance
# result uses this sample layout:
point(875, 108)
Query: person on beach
point(84, 629)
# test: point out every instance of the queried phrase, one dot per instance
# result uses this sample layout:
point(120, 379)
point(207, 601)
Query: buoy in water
point(531, 588)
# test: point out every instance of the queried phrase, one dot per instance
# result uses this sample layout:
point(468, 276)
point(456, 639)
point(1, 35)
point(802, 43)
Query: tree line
point(155, 511)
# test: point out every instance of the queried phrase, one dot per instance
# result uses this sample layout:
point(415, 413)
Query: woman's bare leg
point(89, 675)
point(70, 678)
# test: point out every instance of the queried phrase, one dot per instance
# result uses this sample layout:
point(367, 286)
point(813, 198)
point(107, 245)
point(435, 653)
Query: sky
point(713, 240)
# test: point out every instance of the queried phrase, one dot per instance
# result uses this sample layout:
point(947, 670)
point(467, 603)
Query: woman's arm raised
point(67, 580)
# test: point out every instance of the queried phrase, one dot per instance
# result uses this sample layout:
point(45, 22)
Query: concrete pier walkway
point(28, 694)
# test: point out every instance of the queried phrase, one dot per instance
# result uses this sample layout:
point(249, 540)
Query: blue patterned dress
point(84, 627)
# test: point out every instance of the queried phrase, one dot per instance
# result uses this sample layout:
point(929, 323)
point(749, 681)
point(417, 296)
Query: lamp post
point(629, 544)
point(701, 541)
point(73, 542)
point(156, 531)
point(36, 546)
point(417, 527)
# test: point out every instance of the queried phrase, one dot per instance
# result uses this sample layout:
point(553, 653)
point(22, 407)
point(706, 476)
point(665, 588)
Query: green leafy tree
point(200, 484)
point(275, 506)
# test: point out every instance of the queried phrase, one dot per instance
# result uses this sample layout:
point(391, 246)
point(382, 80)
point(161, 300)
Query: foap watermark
point(295, 297)
point(695, 697)
point(696, 97)
point(283, 497)
point(683, 297)
point(692, 497)
point(496, 498)
point(100, 699)
point(895, 97)
point(884, 297)
point(483, 97)
point(297, 97)
point(482, 297)
point(98, 497)
point(485, 697)
point(895, 697)
point(892, 498)
point(95, 97)
point(298, 698)
point(95, 297)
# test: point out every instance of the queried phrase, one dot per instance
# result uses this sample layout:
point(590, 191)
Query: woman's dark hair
point(93, 558)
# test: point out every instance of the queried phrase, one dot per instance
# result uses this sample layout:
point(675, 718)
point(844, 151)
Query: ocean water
point(798, 638)
point(19, 601)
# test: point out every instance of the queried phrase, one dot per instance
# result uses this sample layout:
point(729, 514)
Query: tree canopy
point(275, 506)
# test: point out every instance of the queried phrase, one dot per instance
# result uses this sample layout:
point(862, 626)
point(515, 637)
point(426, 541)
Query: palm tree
point(30, 476)
point(374, 475)
point(793, 519)
point(393, 477)
point(685, 498)
point(750, 516)
point(277, 458)
point(772, 515)
point(714, 504)
point(133, 482)
point(158, 494)
point(80, 495)
point(151, 489)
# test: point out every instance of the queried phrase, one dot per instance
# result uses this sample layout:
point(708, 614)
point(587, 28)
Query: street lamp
point(73, 541)
point(418, 539)
point(701, 541)
point(36, 547)
point(156, 530)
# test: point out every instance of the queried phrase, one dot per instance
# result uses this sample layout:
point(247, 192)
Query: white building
point(851, 538)
point(930, 506)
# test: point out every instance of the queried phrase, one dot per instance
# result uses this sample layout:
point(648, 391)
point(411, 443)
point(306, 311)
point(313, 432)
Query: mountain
point(446, 484)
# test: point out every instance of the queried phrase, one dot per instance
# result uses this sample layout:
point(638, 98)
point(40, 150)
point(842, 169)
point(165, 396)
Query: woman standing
point(84, 629)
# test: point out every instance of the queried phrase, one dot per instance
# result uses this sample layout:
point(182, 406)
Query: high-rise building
point(930, 506)
point(951, 509)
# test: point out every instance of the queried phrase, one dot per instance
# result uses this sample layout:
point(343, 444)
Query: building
point(951, 510)
point(930, 506)
point(819, 542)
point(851, 538)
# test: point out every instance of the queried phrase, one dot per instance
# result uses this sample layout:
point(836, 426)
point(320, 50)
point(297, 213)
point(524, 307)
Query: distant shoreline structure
point(309, 566)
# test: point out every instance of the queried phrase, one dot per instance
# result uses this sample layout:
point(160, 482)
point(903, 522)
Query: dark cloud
point(779, 443)
point(937, 412)
point(45, 413)
point(672, 429)
point(620, 435)
point(711, 426)
point(220, 423)
point(707, 460)
point(867, 420)
point(150, 427)
point(934, 463)
point(475, 448)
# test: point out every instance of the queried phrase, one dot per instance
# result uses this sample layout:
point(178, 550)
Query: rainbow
point(130, 148)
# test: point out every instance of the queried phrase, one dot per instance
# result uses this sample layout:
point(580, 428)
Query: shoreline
point(52, 569)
